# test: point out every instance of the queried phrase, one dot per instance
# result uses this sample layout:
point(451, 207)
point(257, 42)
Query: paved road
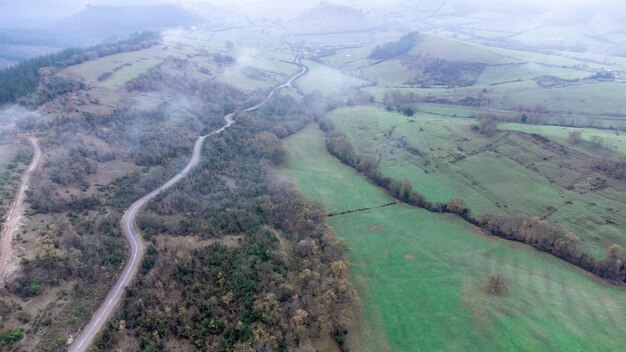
point(129, 228)
point(16, 210)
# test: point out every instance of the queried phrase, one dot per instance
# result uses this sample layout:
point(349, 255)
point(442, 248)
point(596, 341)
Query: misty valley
point(329, 176)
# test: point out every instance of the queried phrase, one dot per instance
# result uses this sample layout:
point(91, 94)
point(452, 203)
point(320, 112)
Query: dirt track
point(16, 210)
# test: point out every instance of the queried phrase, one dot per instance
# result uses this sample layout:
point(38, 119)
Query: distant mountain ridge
point(96, 24)
point(104, 22)
point(324, 10)
point(327, 17)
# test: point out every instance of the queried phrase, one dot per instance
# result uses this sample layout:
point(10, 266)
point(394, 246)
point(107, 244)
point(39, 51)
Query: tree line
point(22, 79)
point(545, 236)
point(392, 49)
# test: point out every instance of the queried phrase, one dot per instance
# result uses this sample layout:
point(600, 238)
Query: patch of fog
point(173, 36)
point(14, 117)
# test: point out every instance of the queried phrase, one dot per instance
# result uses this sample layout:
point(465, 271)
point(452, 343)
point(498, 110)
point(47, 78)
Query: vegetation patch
point(392, 49)
point(448, 160)
point(22, 79)
point(497, 285)
point(425, 303)
point(443, 72)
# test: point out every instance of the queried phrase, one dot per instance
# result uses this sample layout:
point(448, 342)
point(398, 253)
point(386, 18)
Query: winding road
point(129, 228)
point(15, 211)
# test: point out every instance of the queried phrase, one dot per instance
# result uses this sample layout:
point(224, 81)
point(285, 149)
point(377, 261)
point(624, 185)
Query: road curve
point(15, 211)
point(129, 228)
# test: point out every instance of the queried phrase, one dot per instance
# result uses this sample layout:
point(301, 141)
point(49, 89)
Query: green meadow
point(326, 80)
point(420, 275)
point(508, 173)
point(508, 80)
point(614, 140)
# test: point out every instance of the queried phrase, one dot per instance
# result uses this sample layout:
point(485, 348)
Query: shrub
point(11, 337)
point(497, 285)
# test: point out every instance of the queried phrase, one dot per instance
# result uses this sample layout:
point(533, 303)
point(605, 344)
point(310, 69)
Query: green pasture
point(127, 73)
point(614, 140)
point(325, 79)
point(128, 65)
point(495, 75)
point(420, 276)
point(356, 193)
point(351, 57)
point(454, 50)
point(507, 173)
point(507, 81)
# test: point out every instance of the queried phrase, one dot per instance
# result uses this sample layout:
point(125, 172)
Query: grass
point(350, 57)
point(235, 77)
point(128, 73)
point(137, 62)
point(589, 98)
point(455, 50)
point(420, 277)
point(527, 71)
point(507, 79)
point(446, 110)
point(192, 47)
point(271, 62)
point(319, 174)
point(615, 140)
point(508, 173)
point(325, 79)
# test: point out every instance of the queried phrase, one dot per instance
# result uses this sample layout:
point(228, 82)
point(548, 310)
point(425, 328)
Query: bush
point(574, 137)
point(497, 285)
point(11, 337)
point(487, 126)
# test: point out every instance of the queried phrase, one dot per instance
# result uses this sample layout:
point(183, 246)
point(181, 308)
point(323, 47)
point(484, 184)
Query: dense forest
point(80, 251)
point(282, 285)
point(22, 79)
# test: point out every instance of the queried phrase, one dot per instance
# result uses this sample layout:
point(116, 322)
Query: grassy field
point(446, 110)
point(351, 58)
point(325, 79)
point(615, 140)
point(450, 49)
point(508, 173)
point(271, 63)
point(508, 79)
point(127, 73)
point(123, 66)
point(420, 275)
point(327, 171)
point(129, 65)
point(194, 49)
point(525, 72)
point(593, 98)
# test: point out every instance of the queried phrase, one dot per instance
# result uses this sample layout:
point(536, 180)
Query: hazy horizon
point(40, 10)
